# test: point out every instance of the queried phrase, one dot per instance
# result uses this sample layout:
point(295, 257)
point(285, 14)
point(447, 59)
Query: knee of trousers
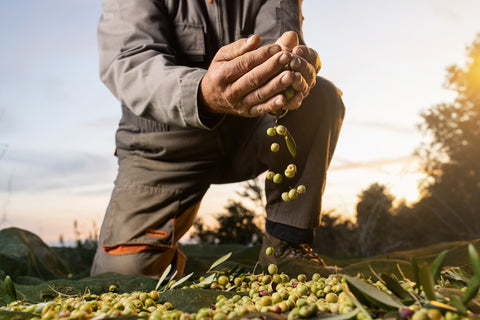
point(141, 242)
point(330, 97)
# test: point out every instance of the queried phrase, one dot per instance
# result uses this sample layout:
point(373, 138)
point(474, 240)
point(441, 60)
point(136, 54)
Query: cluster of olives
point(88, 306)
point(271, 291)
point(289, 172)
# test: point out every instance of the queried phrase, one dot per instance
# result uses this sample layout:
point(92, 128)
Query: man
point(198, 81)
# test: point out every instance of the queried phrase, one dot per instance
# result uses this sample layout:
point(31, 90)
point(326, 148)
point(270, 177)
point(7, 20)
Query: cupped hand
point(246, 80)
point(305, 65)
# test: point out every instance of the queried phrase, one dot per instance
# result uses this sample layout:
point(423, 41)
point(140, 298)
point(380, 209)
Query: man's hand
point(247, 81)
point(305, 65)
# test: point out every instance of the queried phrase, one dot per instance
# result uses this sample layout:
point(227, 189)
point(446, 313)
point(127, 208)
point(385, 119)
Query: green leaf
point(340, 316)
point(472, 290)
point(207, 280)
point(179, 282)
point(164, 275)
point(458, 275)
point(416, 273)
point(426, 280)
point(440, 306)
point(455, 301)
point(219, 261)
point(355, 301)
point(474, 259)
point(437, 265)
point(374, 295)
point(10, 287)
point(291, 144)
point(394, 285)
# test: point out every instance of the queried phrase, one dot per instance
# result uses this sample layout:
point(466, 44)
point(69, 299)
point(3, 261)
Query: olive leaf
point(340, 316)
point(457, 303)
point(416, 273)
point(357, 303)
point(426, 280)
point(472, 290)
point(437, 265)
point(179, 282)
point(458, 275)
point(394, 285)
point(441, 306)
point(163, 276)
point(375, 296)
point(10, 287)
point(207, 280)
point(291, 144)
point(474, 259)
point(219, 261)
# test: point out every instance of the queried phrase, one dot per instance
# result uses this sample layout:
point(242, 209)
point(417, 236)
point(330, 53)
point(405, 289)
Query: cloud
point(65, 171)
point(377, 164)
point(384, 126)
point(444, 10)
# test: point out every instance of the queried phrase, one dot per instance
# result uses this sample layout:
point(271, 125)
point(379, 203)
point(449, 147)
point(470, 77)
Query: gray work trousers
point(164, 172)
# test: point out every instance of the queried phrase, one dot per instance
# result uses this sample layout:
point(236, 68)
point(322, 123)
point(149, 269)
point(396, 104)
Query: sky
point(57, 120)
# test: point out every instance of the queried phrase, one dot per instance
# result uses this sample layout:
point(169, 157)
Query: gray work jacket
point(154, 53)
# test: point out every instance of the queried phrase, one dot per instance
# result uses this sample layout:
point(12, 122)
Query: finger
point(288, 40)
point(310, 55)
point(300, 84)
point(308, 72)
point(295, 102)
point(271, 88)
point(237, 48)
point(275, 103)
point(259, 75)
point(234, 69)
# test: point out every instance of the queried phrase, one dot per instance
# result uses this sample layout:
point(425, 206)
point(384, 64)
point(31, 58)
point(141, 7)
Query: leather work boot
point(285, 251)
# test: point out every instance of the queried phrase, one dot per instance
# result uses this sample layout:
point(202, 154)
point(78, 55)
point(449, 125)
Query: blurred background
point(407, 154)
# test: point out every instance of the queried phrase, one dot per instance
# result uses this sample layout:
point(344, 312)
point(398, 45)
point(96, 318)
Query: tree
point(240, 223)
point(451, 155)
point(374, 220)
point(335, 237)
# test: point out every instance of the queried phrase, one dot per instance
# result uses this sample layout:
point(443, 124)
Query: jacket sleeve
point(276, 17)
point(138, 64)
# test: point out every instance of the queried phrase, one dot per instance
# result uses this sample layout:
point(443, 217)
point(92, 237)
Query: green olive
point(301, 189)
point(272, 269)
point(277, 178)
point(274, 147)
point(271, 132)
point(269, 251)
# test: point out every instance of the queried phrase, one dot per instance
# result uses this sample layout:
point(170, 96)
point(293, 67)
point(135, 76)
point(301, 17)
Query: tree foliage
point(451, 156)
point(240, 223)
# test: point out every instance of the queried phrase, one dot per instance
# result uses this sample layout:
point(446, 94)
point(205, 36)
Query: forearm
point(138, 63)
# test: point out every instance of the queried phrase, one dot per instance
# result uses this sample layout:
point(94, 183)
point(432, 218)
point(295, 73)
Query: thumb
point(288, 40)
point(237, 48)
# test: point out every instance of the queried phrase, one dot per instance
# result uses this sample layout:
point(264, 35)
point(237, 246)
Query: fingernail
point(284, 79)
point(279, 101)
point(274, 49)
point(284, 58)
point(250, 38)
point(299, 51)
point(296, 63)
